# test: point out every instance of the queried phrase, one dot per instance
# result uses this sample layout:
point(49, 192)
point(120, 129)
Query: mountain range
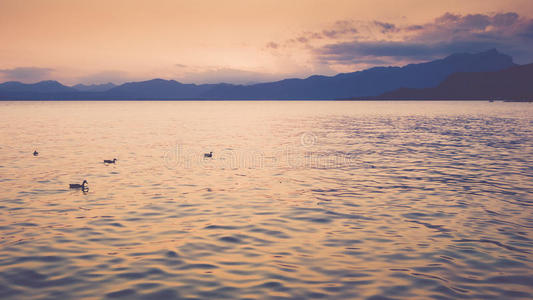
point(377, 82)
point(515, 83)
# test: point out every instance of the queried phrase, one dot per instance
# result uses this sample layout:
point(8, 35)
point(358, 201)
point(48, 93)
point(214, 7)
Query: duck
point(83, 185)
point(110, 161)
point(210, 154)
point(35, 153)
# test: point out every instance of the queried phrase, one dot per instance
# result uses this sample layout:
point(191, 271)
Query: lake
point(300, 200)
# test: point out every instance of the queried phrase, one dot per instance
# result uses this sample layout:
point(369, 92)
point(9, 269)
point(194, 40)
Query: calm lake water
point(301, 200)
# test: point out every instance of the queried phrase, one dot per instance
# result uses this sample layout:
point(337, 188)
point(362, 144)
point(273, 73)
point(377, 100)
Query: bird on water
point(210, 154)
point(110, 161)
point(83, 185)
point(35, 153)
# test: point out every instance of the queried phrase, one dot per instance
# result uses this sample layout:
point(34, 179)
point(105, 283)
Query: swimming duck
point(83, 185)
point(210, 154)
point(35, 153)
point(109, 161)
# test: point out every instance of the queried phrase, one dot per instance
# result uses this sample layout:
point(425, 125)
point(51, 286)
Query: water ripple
point(390, 201)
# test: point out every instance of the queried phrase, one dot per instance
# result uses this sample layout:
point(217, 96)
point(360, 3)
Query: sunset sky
point(244, 41)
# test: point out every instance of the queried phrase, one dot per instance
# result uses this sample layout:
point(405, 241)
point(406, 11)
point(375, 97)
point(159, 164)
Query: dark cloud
point(25, 74)
point(350, 52)
point(468, 22)
point(447, 34)
point(414, 27)
point(370, 52)
point(386, 27)
point(507, 19)
point(528, 31)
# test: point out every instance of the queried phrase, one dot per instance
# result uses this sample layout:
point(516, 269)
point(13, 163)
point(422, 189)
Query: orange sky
point(206, 41)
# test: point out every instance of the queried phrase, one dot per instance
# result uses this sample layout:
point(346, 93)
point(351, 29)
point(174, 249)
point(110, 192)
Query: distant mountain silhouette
point(515, 83)
point(371, 82)
point(367, 83)
point(158, 89)
point(44, 90)
point(94, 87)
point(48, 86)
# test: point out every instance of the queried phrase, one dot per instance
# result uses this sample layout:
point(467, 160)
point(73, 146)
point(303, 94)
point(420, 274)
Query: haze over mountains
point(369, 83)
point(94, 87)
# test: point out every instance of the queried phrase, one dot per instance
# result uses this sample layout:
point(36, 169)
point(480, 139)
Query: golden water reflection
point(301, 200)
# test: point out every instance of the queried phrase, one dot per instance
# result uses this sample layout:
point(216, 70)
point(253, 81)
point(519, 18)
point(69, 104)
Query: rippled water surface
point(301, 200)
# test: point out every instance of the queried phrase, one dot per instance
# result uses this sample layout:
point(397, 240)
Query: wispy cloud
point(338, 30)
point(25, 74)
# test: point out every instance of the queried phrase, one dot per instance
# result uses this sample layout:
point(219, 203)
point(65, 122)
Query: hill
point(515, 83)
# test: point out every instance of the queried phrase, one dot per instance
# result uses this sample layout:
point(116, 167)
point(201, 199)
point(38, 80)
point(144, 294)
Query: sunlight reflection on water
point(301, 200)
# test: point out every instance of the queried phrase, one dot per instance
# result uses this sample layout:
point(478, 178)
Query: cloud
point(272, 45)
point(351, 42)
point(338, 30)
point(497, 27)
point(391, 52)
point(26, 74)
point(386, 27)
point(528, 32)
